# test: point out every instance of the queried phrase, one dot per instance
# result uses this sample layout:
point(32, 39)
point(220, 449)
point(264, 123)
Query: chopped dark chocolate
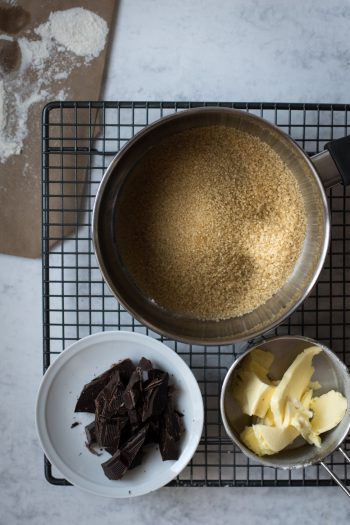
point(110, 432)
point(137, 461)
point(132, 391)
point(134, 418)
point(133, 408)
point(153, 433)
point(86, 401)
point(170, 432)
point(110, 398)
point(91, 448)
point(156, 396)
point(144, 367)
point(109, 435)
point(75, 424)
point(121, 461)
point(90, 431)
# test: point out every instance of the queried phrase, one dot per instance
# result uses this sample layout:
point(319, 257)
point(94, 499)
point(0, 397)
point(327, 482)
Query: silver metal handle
point(326, 169)
point(334, 476)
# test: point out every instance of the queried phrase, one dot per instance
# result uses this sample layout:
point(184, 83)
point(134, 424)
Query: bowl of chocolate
point(119, 414)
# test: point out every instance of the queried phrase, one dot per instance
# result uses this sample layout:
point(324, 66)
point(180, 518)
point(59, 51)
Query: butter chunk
point(328, 409)
point(252, 393)
point(306, 398)
point(259, 361)
point(267, 440)
point(298, 416)
point(268, 419)
point(249, 438)
point(294, 383)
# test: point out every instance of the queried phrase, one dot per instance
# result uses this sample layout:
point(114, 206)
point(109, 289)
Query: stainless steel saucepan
point(329, 371)
point(313, 176)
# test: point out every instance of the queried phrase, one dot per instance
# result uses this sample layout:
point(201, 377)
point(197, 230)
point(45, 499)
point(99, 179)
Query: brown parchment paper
point(20, 175)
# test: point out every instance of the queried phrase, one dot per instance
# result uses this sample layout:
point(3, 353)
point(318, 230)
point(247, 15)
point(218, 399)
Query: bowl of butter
point(285, 403)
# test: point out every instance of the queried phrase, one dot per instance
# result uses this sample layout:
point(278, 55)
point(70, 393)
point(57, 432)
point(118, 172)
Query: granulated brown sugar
point(211, 224)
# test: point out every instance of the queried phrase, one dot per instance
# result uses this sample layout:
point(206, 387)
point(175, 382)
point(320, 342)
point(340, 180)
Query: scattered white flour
point(80, 31)
point(67, 40)
point(34, 53)
point(2, 106)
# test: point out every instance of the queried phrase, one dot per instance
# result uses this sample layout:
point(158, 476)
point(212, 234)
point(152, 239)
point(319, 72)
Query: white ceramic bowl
point(65, 446)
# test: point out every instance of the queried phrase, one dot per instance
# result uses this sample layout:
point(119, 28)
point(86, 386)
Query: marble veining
point(233, 50)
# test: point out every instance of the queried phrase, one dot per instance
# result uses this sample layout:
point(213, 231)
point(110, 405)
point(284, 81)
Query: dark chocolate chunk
point(144, 367)
point(110, 398)
point(180, 421)
point(170, 432)
point(145, 364)
point(153, 433)
point(90, 431)
point(135, 419)
point(75, 424)
point(156, 395)
point(137, 461)
point(86, 401)
point(91, 448)
point(126, 369)
point(91, 441)
point(132, 391)
point(111, 433)
point(121, 461)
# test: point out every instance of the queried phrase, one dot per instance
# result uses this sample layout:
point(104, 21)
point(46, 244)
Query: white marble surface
point(239, 50)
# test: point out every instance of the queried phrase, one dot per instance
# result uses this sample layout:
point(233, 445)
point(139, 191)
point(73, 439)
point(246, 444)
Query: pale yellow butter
point(252, 388)
point(306, 397)
point(284, 409)
point(294, 383)
point(251, 441)
point(267, 440)
point(298, 416)
point(252, 393)
point(260, 362)
point(328, 411)
point(268, 419)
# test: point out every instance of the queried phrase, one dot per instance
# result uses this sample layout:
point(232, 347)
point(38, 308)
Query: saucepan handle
point(334, 476)
point(333, 164)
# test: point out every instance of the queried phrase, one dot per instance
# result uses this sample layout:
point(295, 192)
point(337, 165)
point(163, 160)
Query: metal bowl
point(329, 371)
point(118, 178)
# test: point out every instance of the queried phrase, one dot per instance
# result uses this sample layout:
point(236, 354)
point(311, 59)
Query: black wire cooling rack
point(79, 141)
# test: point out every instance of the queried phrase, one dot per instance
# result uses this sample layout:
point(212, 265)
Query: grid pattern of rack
point(79, 141)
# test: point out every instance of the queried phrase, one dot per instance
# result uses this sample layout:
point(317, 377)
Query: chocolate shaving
point(75, 424)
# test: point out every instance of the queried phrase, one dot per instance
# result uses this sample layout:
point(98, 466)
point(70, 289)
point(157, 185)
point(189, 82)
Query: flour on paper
point(68, 39)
